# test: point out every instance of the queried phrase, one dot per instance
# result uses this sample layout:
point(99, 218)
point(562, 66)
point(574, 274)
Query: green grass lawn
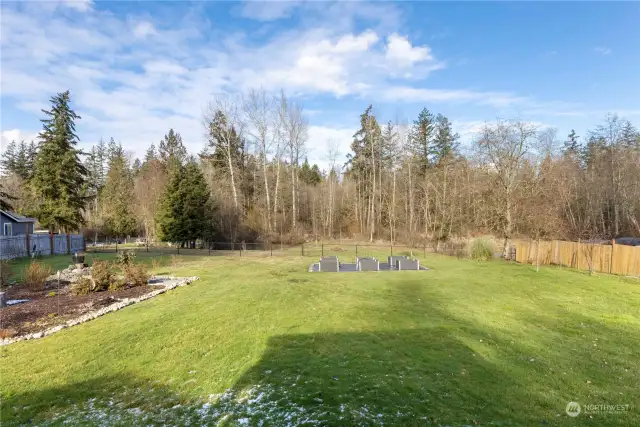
point(261, 340)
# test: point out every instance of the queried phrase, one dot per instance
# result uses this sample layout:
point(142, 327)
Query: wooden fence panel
point(614, 259)
point(77, 242)
point(60, 244)
point(13, 246)
point(40, 244)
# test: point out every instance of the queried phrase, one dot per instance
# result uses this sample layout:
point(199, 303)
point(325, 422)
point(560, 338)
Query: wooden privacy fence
point(39, 244)
point(614, 259)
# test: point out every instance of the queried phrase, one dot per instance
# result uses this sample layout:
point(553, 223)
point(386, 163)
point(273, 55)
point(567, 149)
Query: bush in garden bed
point(35, 275)
point(84, 286)
point(136, 274)
point(102, 274)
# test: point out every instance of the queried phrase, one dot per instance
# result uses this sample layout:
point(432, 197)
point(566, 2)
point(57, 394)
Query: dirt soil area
point(52, 306)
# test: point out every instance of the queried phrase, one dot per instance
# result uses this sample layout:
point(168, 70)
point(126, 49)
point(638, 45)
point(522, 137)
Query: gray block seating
point(329, 264)
point(393, 260)
point(368, 264)
point(408, 264)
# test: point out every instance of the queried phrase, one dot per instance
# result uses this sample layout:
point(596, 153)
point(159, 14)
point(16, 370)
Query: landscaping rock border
point(175, 282)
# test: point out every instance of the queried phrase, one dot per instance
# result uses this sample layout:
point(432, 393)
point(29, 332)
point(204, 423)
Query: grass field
point(259, 341)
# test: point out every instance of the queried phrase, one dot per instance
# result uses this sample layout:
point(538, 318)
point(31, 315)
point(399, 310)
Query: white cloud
point(268, 10)
point(164, 67)
point(602, 50)
point(144, 29)
point(322, 139)
point(400, 51)
point(136, 88)
point(495, 99)
point(79, 5)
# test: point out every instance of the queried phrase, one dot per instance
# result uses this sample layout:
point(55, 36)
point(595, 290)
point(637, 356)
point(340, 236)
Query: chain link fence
point(345, 251)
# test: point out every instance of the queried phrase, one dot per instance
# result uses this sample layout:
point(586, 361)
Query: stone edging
point(179, 281)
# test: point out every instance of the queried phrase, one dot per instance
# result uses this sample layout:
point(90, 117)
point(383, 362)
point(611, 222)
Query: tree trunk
point(275, 194)
point(507, 227)
point(293, 198)
point(266, 191)
point(233, 180)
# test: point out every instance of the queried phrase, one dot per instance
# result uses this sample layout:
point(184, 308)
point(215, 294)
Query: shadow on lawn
point(454, 372)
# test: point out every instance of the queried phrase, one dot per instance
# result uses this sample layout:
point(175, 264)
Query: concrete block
point(329, 265)
point(368, 264)
point(408, 264)
point(393, 260)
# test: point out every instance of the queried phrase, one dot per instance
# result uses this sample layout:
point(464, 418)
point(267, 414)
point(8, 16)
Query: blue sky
point(137, 69)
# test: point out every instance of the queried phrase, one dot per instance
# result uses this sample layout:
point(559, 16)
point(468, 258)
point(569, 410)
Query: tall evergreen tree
point(171, 151)
point(137, 165)
point(629, 135)
point(9, 157)
point(117, 196)
point(421, 139)
point(186, 212)
point(309, 175)
point(445, 141)
point(22, 163)
point(59, 175)
point(572, 144)
point(150, 155)
point(5, 200)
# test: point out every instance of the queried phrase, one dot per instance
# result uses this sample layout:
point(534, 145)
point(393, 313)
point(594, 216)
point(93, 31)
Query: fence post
point(209, 246)
point(51, 243)
point(613, 247)
point(68, 244)
point(116, 246)
point(28, 238)
point(178, 245)
point(271, 247)
point(147, 245)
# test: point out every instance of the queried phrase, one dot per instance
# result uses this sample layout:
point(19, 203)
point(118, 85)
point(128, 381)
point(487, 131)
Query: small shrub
point(35, 275)
point(5, 273)
point(136, 275)
point(102, 274)
point(117, 284)
point(126, 258)
point(481, 248)
point(51, 294)
point(84, 286)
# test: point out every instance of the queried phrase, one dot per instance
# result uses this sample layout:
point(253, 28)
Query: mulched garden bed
point(50, 306)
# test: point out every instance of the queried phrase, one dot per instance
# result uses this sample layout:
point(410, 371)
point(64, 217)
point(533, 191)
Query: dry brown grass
point(35, 274)
point(7, 333)
point(155, 265)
